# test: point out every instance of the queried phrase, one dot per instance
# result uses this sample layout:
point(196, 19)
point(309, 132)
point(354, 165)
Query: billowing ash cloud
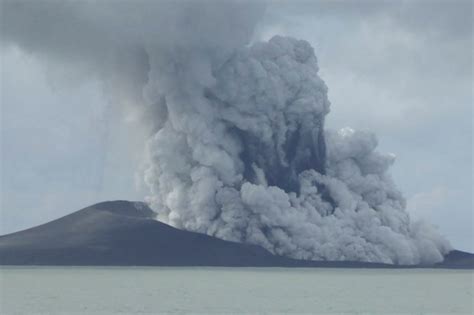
point(244, 159)
point(238, 148)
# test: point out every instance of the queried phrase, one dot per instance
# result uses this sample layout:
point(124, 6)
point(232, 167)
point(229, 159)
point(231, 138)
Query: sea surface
point(152, 290)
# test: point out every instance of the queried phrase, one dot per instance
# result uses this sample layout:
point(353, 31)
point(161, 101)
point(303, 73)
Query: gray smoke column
point(244, 159)
point(238, 148)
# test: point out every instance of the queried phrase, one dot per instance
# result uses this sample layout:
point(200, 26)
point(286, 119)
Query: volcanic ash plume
point(238, 148)
point(245, 160)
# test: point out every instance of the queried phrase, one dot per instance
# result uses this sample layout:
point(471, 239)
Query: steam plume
point(238, 148)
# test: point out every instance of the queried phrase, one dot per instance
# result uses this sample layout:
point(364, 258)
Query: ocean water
point(130, 290)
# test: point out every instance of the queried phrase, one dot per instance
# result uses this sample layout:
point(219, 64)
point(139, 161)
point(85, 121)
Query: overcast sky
point(402, 69)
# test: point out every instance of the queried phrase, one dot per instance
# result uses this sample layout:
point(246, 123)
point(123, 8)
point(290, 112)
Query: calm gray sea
point(128, 290)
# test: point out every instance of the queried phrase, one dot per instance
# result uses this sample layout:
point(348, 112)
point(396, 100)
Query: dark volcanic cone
point(123, 233)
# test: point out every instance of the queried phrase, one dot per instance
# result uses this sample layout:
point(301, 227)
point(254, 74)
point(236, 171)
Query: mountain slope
point(123, 233)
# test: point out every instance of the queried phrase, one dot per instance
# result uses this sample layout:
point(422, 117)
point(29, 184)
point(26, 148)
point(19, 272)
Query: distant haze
point(234, 127)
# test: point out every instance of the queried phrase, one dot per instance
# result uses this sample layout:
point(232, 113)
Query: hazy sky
point(402, 69)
